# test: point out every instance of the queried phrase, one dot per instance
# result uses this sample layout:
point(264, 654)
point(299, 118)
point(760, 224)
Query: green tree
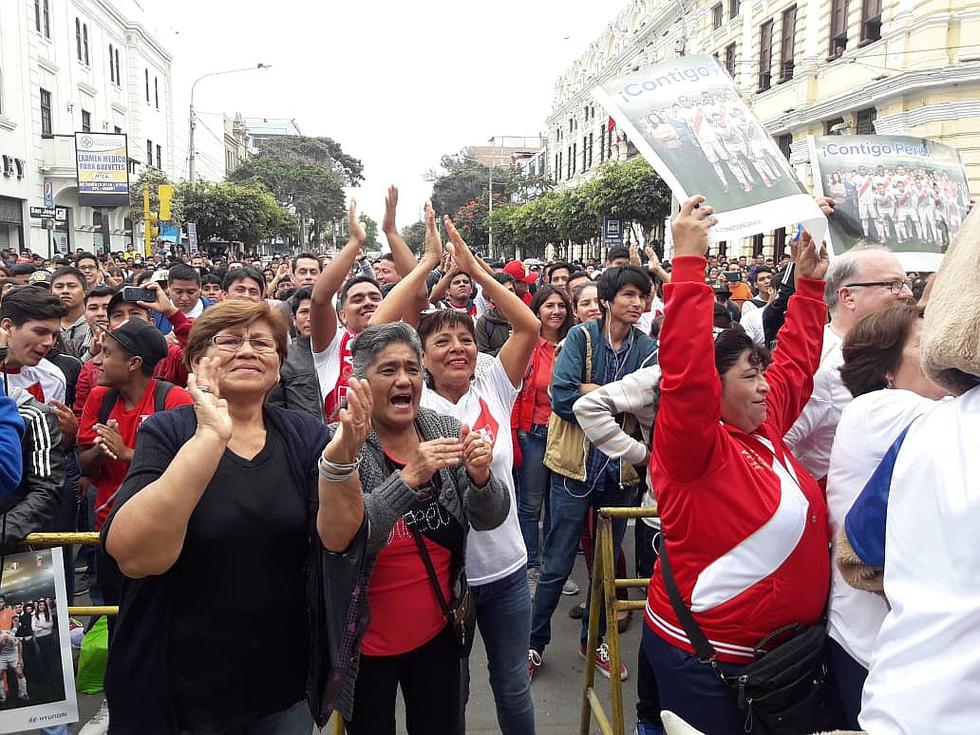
point(573, 215)
point(371, 230)
point(414, 236)
point(631, 190)
point(152, 178)
point(247, 212)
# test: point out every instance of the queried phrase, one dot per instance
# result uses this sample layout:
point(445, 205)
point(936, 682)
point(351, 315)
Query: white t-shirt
point(45, 381)
point(811, 438)
point(486, 407)
point(752, 323)
point(868, 427)
point(926, 661)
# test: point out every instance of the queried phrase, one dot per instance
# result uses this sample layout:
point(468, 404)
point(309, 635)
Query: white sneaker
point(570, 588)
point(99, 724)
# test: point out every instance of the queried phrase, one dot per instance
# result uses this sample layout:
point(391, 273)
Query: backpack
point(160, 394)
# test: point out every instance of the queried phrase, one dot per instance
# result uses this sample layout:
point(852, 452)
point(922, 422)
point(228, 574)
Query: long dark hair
point(542, 295)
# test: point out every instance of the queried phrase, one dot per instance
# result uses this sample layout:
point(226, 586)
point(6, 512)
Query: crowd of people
point(317, 478)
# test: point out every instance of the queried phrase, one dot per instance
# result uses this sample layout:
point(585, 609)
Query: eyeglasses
point(896, 287)
point(233, 343)
point(88, 267)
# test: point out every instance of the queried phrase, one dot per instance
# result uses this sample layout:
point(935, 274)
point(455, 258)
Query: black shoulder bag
point(787, 689)
point(461, 615)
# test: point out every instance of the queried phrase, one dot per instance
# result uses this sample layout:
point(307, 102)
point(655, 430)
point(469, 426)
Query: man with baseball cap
point(522, 279)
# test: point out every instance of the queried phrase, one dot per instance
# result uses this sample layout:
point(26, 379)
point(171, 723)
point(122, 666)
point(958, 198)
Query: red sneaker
point(602, 662)
point(533, 662)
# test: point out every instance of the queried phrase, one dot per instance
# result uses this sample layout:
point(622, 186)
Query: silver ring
point(204, 388)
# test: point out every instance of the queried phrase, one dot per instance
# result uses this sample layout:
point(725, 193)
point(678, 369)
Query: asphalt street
point(556, 688)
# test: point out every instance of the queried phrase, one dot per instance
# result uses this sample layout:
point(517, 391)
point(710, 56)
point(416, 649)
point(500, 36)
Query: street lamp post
point(191, 156)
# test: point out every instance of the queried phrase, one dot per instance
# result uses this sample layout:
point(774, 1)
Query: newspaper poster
point(37, 682)
point(910, 194)
point(687, 119)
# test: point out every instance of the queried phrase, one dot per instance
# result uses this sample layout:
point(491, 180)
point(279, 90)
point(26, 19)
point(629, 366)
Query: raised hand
point(354, 423)
point(161, 304)
point(355, 228)
point(391, 204)
point(826, 205)
point(459, 250)
point(209, 407)
point(690, 228)
point(809, 262)
point(429, 458)
point(477, 455)
point(433, 253)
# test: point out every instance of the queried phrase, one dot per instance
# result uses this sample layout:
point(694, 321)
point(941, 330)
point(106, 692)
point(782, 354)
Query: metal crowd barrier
point(604, 585)
point(71, 539)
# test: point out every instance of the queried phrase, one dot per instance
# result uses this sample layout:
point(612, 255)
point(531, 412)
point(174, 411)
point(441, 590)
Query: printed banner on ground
point(910, 194)
point(37, 685)
point(687, 119)
point(102, 165)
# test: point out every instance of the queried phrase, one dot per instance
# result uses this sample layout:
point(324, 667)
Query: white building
point(69, 66)
point(807, 67)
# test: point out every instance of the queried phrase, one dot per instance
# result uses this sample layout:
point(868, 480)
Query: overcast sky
point(396, 83)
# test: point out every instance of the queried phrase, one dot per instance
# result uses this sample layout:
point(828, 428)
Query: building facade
point(236, 143)
point(262, 129)
point(70, 66)
point(807, 67)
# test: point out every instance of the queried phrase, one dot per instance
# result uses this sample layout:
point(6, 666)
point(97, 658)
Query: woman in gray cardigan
point(408, 484)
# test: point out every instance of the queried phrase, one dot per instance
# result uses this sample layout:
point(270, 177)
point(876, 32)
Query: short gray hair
point(844, 270)
point(369, 344)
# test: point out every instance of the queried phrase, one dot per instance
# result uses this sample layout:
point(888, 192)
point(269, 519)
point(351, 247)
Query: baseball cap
point(40, 278)
point(140, 339)
point(519, 272)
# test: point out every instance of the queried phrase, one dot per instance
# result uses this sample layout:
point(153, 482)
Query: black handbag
point(787, 690)
point(461, 615)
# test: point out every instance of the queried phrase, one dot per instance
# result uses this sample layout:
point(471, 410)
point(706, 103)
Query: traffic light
point(153, 226)
point(166, 193)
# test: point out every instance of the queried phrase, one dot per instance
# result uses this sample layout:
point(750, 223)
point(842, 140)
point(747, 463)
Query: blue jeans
point(691, 689)
point(503, 613)
point(534, 481)
point(571, 501)
point(296, 720)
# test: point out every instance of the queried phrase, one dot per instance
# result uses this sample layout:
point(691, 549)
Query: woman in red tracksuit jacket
point(745, 525)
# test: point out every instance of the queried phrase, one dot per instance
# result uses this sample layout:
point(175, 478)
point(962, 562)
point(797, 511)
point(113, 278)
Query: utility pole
point(191, 152)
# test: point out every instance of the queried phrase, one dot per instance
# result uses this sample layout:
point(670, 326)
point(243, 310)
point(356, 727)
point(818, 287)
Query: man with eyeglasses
point(88, 264)
point(864, 280)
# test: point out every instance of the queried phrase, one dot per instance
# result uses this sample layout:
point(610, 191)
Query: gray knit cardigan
point(386, 499)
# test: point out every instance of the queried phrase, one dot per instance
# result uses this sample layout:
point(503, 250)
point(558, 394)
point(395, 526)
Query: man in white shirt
point(864, 280)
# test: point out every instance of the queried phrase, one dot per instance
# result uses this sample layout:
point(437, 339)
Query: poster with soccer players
point(686, 117)
point(37, 684)
point(910, 194)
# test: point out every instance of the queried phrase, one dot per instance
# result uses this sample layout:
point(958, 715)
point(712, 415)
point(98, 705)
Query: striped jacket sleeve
point(44, 474)
point(596, 413)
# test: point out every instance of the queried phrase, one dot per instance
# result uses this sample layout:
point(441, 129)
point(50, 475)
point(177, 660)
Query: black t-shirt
point(238, 640)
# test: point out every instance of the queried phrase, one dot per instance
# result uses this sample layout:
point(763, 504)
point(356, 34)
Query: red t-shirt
point(112, 472)
point(405, 613)
point(542, 380)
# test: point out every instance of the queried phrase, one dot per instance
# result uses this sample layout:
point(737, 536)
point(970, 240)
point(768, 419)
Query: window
point(146, 80)
point(37, 15)
point(787, 44)
point(834, 127)
point(149, 152)
point(590, 150)
point(156, 91)
point(717, 16)
point(785, 143)
point(870, 20)
point(838, 27)
point(118, 73)
point(78, 38)
point(866, 121)
point(45, 112)
point(112, 68)
point(160, 158)
point(733, 7)
point(46, 4)
point(117, 130)
point(85, 41)
point(573, 158)
point(86, 121)
point(765, 56)
point(602, 143)
point(730, 59)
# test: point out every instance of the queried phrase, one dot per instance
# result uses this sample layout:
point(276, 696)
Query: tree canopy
point(246, 212)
